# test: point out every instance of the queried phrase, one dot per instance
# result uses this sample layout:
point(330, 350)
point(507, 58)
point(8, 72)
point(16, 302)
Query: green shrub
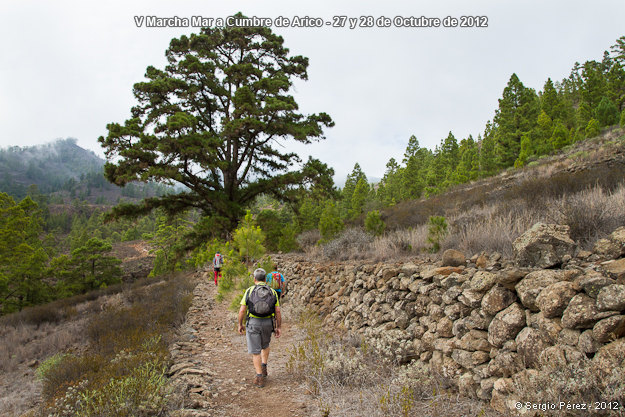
point(249, 239)
point(593, 128)
point(374, 223)
point(606, 112)
point(437, 229)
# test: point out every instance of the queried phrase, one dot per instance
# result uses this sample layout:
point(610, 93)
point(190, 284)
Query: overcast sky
point(67, 67)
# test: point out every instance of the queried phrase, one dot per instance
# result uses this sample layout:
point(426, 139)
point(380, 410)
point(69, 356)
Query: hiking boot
point(259, 381)
point(264, 367)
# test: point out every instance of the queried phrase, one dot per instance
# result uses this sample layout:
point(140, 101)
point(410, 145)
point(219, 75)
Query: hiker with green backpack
point(276, 281)
point(261, 306)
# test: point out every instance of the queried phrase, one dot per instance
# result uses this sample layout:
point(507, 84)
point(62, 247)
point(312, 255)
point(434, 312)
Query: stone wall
point(482, 321)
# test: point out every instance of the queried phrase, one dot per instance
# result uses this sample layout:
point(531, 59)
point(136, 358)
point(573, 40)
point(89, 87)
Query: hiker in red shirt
point(218, 262)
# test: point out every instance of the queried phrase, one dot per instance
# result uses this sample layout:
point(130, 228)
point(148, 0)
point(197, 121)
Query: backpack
point(276, 281)
point(218, 261)
point(261, 301)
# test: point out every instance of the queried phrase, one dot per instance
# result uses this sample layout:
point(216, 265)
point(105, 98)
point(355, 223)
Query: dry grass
point(348, 379)
point(591, 214)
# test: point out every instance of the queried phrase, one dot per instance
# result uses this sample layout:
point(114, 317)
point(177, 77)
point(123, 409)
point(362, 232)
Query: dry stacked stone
point(484, 322)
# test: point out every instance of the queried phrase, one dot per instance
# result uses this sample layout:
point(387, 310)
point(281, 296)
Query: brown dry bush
point(398, 243)
point(26, 342)
point(591, 214)
point(308, 239)
point(351, 243)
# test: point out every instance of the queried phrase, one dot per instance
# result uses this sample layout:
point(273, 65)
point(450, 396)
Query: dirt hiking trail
point(213, 371)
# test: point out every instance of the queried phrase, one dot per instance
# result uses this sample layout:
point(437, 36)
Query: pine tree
point(389, 190)
point(517, 114)
point(593, 128)
point(488, 163)
point(413, 178)
point(359, 197)
point(330, 223)
point(560, 137)
point(348, 190)
point(450, 154)
point(249, 239)
point(606, 112)
point(468, 167)
point(215, 119)
point(22, 257)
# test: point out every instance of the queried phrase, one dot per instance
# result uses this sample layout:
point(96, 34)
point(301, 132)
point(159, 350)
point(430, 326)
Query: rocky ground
point(213, 371)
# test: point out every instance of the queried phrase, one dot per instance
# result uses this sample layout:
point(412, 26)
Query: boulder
point(452, 257)
point(496, 299)
point(483, 280)
point(618, 237)
point(616, 270)
point(463, 358)
point(609, 329)
point(444, 327)
point(471, 298)
point(481, 261)
point(609, 358)
point(551, 326)
point(587, 343)
point(535, 282)
point(506, 325)
point(557, 357)
point(607, 248)
point(554, 298)
point(581, 313)
point(530, 344)
point(569, 337)
point(611, 297)
point(505, 364)
point(544, 245)
point(592, 282)
point(475, 340)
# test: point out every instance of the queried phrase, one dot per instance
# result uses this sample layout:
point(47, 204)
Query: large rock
point(551, 327)
point(558, 356)
point(611, 297)
point(452, 257)
point(553, 300)
point(530, 344)
point(535, 282)
point(593, 282)
point(505, 364)
point(544, 245)
point(618, 237)
point(616, 270)
point(471, 298)
point(496, 299)
point(609, 329)
point(607, 248)
point(506, 325)
point(609, 358)
point(475, 340)
point(483, 280)
point(581, 313)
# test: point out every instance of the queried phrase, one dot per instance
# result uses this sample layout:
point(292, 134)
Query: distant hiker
point(218, 262)
point(276, 281)
point(262, 306)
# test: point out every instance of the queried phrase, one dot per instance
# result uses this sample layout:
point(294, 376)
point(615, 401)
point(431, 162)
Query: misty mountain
point(65, 169)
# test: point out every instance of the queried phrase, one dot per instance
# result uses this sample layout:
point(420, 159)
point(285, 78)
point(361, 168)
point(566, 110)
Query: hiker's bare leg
point(264, 355)
point(257, 363)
